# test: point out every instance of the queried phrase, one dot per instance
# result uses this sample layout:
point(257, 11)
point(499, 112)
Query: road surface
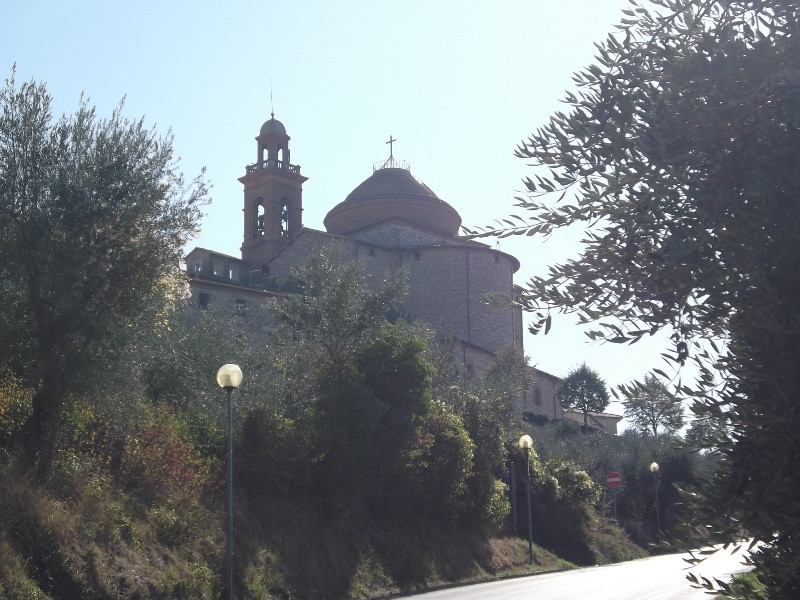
point(654, 578)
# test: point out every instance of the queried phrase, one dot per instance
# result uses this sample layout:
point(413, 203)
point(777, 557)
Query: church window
point(217, 267)
point(233, 272)
point(260, 217)
point(537, 397)
point(203, 300)
point(197, 267)
point(284, 217)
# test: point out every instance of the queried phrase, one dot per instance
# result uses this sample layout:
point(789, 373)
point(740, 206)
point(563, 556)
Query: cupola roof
point(273, 126)
point(390, 193)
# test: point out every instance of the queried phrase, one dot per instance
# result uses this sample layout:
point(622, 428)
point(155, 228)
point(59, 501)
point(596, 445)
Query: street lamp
point(526, 443)
point(228, 378)
point(654, 471)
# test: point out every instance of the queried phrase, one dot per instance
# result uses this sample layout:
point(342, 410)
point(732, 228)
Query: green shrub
point(630, 454)
point(158, 462)
point(271, 462)
point(563, 499)
point(498, 507)
point(16, 405)
point(87, 431)
point(438, 467)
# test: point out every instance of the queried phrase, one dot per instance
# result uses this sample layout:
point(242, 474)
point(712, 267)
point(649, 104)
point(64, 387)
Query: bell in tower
point(273, 196)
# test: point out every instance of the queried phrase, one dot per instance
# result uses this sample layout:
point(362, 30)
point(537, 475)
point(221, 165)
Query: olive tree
point(678, 154)
point(650, 406)
point(94, 215)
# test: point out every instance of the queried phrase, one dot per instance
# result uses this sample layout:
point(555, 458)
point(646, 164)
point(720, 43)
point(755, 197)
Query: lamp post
point(228, 378)
point(654, 471)
point(526, 443)
point(513, 483)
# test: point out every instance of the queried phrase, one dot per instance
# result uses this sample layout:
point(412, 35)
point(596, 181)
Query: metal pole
point(658, 516)
point(530, 521)
point(229, 531)
point(513, 472)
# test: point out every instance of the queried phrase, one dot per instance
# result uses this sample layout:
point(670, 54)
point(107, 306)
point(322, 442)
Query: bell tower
point(273, 196)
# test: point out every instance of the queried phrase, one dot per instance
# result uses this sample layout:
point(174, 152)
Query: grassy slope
point(81, 536)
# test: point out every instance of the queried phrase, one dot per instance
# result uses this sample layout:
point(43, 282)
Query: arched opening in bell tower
point(284, 217)
point(259, 231)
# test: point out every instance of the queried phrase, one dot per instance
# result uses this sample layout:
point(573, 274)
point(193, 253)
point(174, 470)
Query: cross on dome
point(391, 162)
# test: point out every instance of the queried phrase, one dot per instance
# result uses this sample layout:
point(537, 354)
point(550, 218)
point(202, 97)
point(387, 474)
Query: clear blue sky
point(459, 83)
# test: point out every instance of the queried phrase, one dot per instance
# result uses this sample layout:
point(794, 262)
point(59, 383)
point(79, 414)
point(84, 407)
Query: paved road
point(655, 578)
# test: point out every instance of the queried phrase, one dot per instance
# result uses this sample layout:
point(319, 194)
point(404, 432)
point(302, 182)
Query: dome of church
point(273, 126)
point(392, 194)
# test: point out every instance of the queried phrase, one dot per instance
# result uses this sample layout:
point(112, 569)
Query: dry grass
point(83, 536)
point(609, 543)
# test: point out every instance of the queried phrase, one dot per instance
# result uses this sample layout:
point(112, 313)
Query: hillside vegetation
point(366, 461)
point(361, 468)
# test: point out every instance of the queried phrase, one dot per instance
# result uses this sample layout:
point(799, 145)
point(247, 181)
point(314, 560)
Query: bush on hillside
point(630, 454)
point(16, 405)
point(563, 500)
point(158, 461)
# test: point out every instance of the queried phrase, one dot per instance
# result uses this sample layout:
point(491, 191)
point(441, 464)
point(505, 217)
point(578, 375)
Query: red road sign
point(613, 479)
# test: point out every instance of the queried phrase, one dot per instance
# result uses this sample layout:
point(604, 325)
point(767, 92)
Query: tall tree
point(650, 406)
point(94, 215)
point(360, 387)
point(706, 433)
point(583, 389)
point(680, 156)
point(335, 311)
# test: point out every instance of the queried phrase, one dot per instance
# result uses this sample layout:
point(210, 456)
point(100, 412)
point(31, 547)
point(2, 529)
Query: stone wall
point(249, 304)
point(447, 289)
point(541, 399)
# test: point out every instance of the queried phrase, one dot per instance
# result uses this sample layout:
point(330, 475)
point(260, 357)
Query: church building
point(390, 221)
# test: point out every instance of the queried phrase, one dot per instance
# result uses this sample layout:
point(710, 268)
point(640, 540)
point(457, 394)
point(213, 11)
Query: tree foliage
point(361, 388)
point(563, 499)
point(504, 382)
point(94, 216)
point(15, 406)
point(584, 390)
point(706, 433)
point(630, 455)
point(679, 156)
point(334, 312)
point(650, 406)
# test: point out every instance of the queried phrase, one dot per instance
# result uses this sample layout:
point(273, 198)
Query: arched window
point(259, 217)
point(284, 216)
